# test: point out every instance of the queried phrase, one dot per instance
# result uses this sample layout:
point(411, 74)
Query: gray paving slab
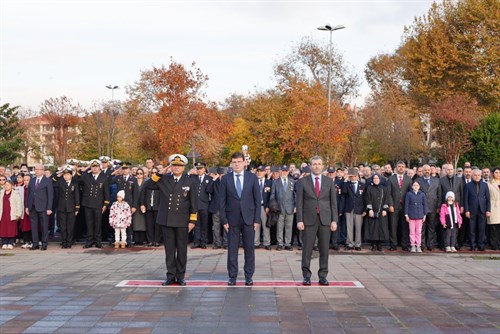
point(74, 291)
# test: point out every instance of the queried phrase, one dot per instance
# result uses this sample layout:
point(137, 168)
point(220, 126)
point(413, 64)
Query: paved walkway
point(74, 291)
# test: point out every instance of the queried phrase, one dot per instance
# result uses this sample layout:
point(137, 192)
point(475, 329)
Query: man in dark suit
point(354, 208)
point(68, 204)
point(202, 183)
point(240, 214)
point(39, 206)
point(432, 189)
point(265, 187)
point(317, 217)
point(177, 216)
point(477, 207)
point(455, 184)
point(398, 185)
point(95, 200)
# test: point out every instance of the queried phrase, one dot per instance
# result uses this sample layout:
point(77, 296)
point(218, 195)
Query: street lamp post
point(328, 27)
point(112, 90)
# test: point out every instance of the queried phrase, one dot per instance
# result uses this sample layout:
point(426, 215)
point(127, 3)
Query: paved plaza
point(75, 291)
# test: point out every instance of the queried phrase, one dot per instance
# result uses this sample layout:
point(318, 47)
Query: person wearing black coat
point(149, 200)
point(202, 182)
point(265, 187)
point(377, 205)
point(219, 235)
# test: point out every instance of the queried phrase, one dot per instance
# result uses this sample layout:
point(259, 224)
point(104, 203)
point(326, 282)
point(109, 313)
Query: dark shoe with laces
point(231, 281)
point(306, 281)
point(323, 281)
point(248, 282)
point(181, 281)
point(168, 281)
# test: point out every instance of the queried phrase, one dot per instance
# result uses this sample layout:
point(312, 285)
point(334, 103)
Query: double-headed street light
point(328, 27)
point(112, 90)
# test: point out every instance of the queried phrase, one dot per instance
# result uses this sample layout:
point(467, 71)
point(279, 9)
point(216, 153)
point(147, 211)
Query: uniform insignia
point(267, 189)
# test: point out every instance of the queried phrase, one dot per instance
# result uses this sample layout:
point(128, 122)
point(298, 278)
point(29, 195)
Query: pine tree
point(10, 134)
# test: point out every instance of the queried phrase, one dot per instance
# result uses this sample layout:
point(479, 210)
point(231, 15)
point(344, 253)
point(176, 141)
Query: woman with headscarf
point(376, 229)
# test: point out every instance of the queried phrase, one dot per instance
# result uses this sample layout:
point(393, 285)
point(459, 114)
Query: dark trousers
point(463, 232)
point(494, 235)
point(66, 222)
point(233, 240)
point(398, 222)
point(450, 236)
point(39, 219)
point(201, 229)
point(477, 230)
point(429, 236)
point(108, 232)
point(153, 230)
point(175, 243)
point(322, 232)
point(93, 220)
point(80, 231)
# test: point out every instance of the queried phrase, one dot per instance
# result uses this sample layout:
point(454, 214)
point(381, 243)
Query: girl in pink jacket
point(120, 217)
point(451, 220)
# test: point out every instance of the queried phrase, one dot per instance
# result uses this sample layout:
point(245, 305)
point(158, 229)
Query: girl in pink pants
point(415, 212)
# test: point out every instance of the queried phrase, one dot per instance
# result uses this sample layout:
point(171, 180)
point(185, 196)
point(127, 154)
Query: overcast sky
point(76, 48)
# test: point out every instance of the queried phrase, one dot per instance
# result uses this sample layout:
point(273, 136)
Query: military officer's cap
point(200, 164)
point(85, 163)
point(68, 169)
point(125, 164)
point(261, 168)
point(104, 158)
point(212, 170)
point(94, 163)
point(284, 168)
point(72, 162)
point(178, 160)
point(330, 169)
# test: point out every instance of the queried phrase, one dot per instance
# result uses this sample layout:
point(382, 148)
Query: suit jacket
point(285, 197)
point(308, 202)
point(202, 190)
point(354, 201)
point(178, 202)
point(432, 193)
point(131, 189)
point(396, 195)
point(339, 184)
point(69, 195)
point(266, 192)
point(148, 197)
point(95, 191)
point(456, 185)
point(477, 202)
point(213, 189)
point(232, 206)
point(40, 197)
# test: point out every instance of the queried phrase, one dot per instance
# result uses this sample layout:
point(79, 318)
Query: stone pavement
point(74, 291)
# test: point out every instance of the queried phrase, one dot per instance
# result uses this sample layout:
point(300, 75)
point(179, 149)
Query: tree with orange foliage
point(61, 114)
point(454, 117)
point(183, 121)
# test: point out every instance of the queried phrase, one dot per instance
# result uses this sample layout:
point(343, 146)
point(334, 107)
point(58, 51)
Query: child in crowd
point(415, 212)
point(120, 217)
point(451, 220)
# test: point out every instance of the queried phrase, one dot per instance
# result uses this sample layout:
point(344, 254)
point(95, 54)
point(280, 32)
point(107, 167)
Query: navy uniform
point(107, 169)
point(150, 198)
point(68, 204)
point(203, 183)
point(95, 199)
point(105, 165)
point(177, 214)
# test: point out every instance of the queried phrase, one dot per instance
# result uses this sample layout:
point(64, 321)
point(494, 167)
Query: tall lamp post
point(328, 27)
point(112, 90)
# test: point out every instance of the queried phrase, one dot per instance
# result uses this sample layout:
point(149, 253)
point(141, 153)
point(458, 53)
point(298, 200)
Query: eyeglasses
point(140, 173)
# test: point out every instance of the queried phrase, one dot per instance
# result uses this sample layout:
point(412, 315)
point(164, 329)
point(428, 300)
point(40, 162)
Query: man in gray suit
point(283, 192)
point(317, 217)
point(432, 189)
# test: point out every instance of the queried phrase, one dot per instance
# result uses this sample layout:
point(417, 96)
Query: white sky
point(76, 48)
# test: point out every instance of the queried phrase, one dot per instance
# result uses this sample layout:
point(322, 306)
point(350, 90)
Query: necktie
point(316, 186)
point(175, 180)
point(37, 183)
point(429, 181)
point(201, 179)
point(284, 185)
point(238, 185)
point(400, 181)
point(354, 187)
point(261, 184)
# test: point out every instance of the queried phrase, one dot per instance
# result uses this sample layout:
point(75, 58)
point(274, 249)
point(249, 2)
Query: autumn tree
point(485, 141)
point(182, 120)
point(63, 115)
point(454, 117)
point(10, 134)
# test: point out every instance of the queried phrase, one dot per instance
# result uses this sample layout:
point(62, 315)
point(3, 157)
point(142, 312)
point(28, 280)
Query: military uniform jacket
point(95, 191)
point(203, 190)
point(178, 201)
point(69, 195)
point(131, 189)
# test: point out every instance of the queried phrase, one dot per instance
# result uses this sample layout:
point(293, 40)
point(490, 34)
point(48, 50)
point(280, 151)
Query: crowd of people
point(103, 201)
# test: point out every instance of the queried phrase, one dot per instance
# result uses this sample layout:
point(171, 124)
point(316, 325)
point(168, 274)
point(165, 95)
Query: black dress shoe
point(323, 281)
point(481, 249)
point(87, 245)
point(288, 248)
point(374, 248)
point(379, 248)
point(157, 244)
point(181, 281)
point(98, 245)
point(335, 247)
point(405, 249)
point(44, 248)
point(306, 281)
point(216, 247)
point(299, 248)
point(193, 246)
point(168, 281)
point(248, 282)
point(279, 248)
point(203, 246)
point(357, 248)
point(34, 248)
point(268, 247)
point(232, 281)
point(225, 246)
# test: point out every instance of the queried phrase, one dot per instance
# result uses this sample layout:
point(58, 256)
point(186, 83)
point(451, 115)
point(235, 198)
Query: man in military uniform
point(95, 199)
point(68, 203)
point(177, 216)
point(107, 169)
point(202, 184)
point(128, 183)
